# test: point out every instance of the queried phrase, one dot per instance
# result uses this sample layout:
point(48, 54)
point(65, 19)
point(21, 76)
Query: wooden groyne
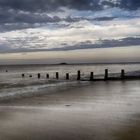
point(106, 77)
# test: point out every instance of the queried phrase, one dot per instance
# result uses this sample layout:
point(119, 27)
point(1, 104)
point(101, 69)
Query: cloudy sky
point(54, 31)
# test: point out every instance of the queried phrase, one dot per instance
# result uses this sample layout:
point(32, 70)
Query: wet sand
point(98, 111)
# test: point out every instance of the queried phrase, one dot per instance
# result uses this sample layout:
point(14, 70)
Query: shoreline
point(95, 111)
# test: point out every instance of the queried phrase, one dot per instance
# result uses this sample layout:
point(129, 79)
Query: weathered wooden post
point(67, 76)
point(78, 75)
point(106, 74)
point(47, 76)
point(23, 75)
point(122, 74)
point(57, 75)
point(91, 76)
point(38, 75)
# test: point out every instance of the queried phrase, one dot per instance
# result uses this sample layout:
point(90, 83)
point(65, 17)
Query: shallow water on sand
point(14, 72)
point(97, 111)
point(13, 85)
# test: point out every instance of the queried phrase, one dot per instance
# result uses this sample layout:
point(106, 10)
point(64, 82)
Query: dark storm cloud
point(34, 5)
point(30, 11)
point(130, 41)
point(126, 42)
point(12, 16)
point(11, 19)
point(85, 18)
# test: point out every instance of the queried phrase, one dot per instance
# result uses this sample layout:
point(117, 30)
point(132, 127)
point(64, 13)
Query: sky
point(72, 31)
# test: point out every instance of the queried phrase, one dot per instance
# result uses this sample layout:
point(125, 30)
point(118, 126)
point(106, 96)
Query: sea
point(12, 85)
point(68, 109)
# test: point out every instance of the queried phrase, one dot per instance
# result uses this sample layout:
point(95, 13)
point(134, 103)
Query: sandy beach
point(92, 112)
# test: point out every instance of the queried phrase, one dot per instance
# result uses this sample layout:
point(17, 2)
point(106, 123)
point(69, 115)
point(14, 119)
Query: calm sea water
point(16, 70)
point(74, 110)
point(12, 84)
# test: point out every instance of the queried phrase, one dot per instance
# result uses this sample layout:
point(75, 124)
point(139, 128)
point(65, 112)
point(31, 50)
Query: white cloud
point(110, 12)
point(65, 34)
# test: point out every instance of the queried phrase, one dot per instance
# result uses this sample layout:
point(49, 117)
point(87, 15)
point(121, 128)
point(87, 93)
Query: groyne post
point(91, 76)
point(106, 74)
point(38, 75)
point(57, 75)
point(23, 75)
point(122, 74)
point(47, 76)
point(78, 75)
point(67, 76)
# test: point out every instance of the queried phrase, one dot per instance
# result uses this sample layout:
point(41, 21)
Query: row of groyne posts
point(91, 77)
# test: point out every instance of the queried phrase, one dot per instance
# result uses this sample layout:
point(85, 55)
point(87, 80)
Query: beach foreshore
point(97, 111)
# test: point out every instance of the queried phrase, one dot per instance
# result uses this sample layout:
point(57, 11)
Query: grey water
point(68, 110)
point(14, 71)
point(11, 83)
